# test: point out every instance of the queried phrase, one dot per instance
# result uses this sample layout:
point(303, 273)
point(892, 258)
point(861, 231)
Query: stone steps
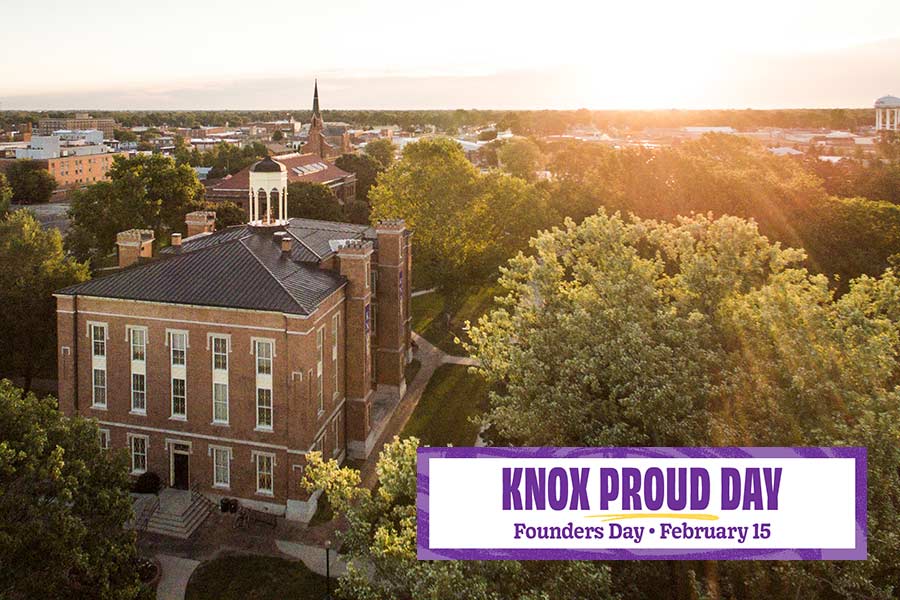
point(181, 525)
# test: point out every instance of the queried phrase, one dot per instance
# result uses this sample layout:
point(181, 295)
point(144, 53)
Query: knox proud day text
point(628, 488)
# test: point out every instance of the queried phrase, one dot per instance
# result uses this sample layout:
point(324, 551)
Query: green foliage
point(63, 506)
point(383, 150)
point(382, 534)
point(440, 316)
point(125, 135)
point(726, 174)
point(701, 332)
point(520, 157)
point(277, 136)
point(313, 201)
point(34, 266)
point(31, 183)
point(6, 195)
point(487, 135)
point(227, 214)
point(465, 222)
point(365, 167)
point(148, 192)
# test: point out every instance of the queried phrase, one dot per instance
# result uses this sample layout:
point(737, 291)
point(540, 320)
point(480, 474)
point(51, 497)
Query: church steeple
point(316, 100)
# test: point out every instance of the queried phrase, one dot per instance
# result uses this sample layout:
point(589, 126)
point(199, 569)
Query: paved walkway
point(314, 557)
point(176, 572)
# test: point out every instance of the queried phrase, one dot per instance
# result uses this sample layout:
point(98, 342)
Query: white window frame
point(135, 409)
point(217, 421)
point(104, 438)
point(96, 401)
point(335, 331)
point(220, 376)
point(320, 368)
point(177, 370)
point(98, 362)
point(138, 367)
point(260, 425)
point(270, 458)
point(182, 416)
point(131, 439)
point(256, 344)
point(216, 452)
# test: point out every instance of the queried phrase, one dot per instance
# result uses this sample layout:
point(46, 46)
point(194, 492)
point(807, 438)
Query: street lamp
point(327, 569)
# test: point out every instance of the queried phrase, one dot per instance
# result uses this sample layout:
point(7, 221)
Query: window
point(373, 278)
point(220, 403)
point(368, 276)
point(98, 335)
point(320, 359)
point(264, 408)
point(138, 392)
point(99, 397)
point(263, 357)
point(104, 439)
point(179, 349)
point(138, 454)
point(334, 354)
point(336, 429)
point(264, 484)
point(220, 353)
point(221, 467)
point(179, 398)
point(138, 343)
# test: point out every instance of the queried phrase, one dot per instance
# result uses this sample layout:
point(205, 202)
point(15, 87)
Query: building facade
point(222, 364)
point(48, 125)
point(298, 167)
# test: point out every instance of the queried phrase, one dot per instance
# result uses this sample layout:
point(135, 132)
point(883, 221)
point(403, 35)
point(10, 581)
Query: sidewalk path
point(313, 557)
point(176, 572)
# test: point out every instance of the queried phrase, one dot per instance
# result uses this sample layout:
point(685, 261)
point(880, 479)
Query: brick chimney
point(354, 263)
point(200, 221)
point(133, 245)
point(393, 300)
point(176, 239)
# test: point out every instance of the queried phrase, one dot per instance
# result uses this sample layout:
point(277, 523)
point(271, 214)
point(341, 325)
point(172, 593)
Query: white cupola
point(268, 193)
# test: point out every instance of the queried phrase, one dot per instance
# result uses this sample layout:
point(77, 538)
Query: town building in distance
point(74, 158)
point(222, 363)
point(81, 121)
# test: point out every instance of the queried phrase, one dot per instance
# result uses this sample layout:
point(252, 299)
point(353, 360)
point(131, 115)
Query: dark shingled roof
point(237, 267)
point(267, 165)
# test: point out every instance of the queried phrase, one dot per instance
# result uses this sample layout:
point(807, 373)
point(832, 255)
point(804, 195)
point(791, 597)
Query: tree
point(313, 201)
point(63, 507)
point(34, 266)
point(520, 157)
point(6, 195)
point(487, 135)
point(31, 183)
point(227, 214)
point(644, 333)
point(383, 150)
point(382, 533)
point(149, 192)
point(277, 136)
point(465, 222)
point(125, 135)
point(366, 169)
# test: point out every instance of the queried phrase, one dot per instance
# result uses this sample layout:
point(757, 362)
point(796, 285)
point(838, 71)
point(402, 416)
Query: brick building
point(298, 167)
point(48, 125)
point(222, 363)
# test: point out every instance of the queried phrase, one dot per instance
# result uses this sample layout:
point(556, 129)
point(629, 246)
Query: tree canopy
point(701, 332)
point(382, 533)
point(382, 150)
point(31, 183)
point(6, 195)
point(149, 192)
point(63, 507)
point(34, 266)
point(365, 167)
point(520, 157)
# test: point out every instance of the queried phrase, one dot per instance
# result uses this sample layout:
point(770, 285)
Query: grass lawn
point(442, 415)
point(430, 321)
point(245, 577)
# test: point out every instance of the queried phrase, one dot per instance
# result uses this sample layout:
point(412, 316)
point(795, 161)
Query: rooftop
point(888, 102)
point(300, 167)
point(238, 267)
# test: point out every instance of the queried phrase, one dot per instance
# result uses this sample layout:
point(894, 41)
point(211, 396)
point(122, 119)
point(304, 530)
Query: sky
point(424, 54)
